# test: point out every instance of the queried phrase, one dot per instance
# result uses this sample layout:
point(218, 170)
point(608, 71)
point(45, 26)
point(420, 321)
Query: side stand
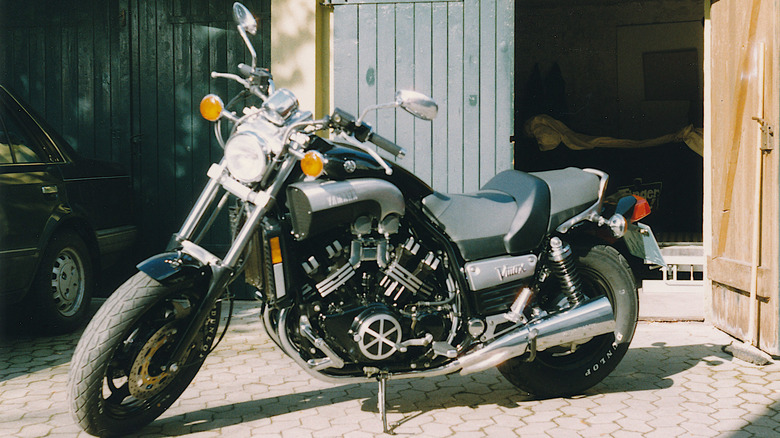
point(381, 401)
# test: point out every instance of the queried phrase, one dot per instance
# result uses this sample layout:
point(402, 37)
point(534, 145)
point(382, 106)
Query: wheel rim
point(68, 282)
point(136, 380)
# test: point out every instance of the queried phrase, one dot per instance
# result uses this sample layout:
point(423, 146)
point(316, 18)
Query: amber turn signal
point(211, 107)
point(312, 164)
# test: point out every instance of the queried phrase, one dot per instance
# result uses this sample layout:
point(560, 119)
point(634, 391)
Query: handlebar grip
point(387, 145)
point(248, 71)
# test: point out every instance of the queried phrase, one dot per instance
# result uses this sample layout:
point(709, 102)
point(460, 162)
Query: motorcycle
point(363, 272)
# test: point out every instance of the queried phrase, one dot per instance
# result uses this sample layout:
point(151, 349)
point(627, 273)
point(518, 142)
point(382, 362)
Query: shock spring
point(562, 265)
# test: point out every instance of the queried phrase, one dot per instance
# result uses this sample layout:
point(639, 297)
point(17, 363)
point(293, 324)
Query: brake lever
point(236, 78)
point(354, 142)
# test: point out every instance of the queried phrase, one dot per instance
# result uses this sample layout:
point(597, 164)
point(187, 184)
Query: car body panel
point(61, 191)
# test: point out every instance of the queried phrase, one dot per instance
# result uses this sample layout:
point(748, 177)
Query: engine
point(377, 299)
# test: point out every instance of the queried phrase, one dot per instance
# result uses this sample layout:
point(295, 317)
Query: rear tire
point(117, 383)
point(559, 372)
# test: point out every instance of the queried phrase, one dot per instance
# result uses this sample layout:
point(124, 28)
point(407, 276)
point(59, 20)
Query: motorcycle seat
point(572, 191)
point(512, 213)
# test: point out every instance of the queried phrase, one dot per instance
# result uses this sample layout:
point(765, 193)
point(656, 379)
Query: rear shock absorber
point(562, 264)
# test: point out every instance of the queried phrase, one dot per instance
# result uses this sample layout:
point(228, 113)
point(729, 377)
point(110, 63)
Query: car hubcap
point(67, 282)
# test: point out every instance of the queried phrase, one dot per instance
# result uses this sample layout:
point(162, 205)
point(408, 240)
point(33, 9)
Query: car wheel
point(62, 289)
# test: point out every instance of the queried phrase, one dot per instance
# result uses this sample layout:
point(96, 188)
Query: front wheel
point(571, 369)
point(119, 380)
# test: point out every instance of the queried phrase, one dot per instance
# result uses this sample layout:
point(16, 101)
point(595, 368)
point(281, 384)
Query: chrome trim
point(593, 213)
point(95, 178)
point(200, 253)
point(281, 289)
point(332, 361)
point(592, 318)
point(290, 350)
point(205, 199)
point(116, 239)
point(493, 322)
point(487, 273)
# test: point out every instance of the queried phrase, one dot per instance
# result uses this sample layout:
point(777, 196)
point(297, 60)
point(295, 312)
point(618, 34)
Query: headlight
point(246, 157)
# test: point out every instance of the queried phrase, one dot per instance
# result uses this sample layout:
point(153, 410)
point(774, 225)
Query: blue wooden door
point(459, 52)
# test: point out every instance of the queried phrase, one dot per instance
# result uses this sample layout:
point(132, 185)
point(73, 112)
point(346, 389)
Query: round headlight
point(245, 157)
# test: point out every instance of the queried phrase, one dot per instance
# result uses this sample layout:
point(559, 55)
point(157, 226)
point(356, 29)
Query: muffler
point(586, 320)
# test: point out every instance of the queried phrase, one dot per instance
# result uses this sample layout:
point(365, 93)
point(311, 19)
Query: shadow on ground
point(642, 369)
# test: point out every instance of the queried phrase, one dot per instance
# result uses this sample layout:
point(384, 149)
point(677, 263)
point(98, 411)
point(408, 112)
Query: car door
point(30, 186)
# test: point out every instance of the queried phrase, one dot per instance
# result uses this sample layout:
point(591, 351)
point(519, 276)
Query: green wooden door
point(122, 80)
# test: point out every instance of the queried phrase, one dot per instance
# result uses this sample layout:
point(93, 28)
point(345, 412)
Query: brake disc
point(148, 377)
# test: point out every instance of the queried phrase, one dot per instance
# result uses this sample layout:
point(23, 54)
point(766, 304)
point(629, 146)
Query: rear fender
point(174, 267)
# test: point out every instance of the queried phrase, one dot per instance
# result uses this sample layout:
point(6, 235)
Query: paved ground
point(674, 381)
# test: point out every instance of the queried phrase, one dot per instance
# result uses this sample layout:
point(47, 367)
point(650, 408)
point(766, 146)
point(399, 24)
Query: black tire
point(131, 333)
point(559, 372)
point(61, 292)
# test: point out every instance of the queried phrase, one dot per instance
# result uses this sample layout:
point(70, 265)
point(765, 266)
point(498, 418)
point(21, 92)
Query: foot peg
point(444, 349)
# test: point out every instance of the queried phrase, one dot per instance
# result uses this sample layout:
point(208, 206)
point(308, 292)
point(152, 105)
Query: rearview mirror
point(246, 24)
point(244, 19)
point(417, 104)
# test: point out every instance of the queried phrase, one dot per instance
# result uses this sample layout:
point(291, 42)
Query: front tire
point(118, 382)
point(561, 372)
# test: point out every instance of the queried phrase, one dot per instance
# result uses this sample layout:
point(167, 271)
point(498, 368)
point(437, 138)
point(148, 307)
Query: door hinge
point(767, 135)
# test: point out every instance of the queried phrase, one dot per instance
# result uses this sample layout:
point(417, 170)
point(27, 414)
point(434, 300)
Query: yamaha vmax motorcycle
point(364, 273)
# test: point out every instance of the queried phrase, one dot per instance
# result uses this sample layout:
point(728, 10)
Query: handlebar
point(248, 71)
point(341, 120)
point(387, 145)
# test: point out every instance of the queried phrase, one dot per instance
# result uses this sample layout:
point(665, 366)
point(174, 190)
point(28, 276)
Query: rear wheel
point(119, 380)
point(571, 369)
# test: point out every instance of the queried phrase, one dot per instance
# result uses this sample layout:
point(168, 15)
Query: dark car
point(63, 218)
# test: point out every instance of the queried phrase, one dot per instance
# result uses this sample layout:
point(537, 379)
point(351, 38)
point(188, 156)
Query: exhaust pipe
point(591, 318)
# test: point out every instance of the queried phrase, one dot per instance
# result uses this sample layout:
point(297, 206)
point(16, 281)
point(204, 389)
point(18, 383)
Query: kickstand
point(381, 401)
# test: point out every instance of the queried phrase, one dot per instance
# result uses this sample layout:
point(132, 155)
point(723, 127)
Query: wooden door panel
point(743, 63)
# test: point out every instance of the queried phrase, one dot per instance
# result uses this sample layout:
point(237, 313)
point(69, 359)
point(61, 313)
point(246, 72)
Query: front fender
point(174, 267)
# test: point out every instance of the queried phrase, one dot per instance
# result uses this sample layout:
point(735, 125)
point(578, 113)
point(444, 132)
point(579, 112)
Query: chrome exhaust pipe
point(591, 318)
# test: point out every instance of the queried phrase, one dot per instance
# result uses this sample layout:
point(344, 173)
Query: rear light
point(641, 209)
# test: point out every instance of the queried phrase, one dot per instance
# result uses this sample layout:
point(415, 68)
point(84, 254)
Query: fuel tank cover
point(318, 206)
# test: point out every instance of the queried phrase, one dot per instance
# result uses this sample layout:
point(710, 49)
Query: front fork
point(222, 270)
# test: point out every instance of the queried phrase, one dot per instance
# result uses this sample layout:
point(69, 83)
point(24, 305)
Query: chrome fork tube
point(205, 199)
point(243, 237)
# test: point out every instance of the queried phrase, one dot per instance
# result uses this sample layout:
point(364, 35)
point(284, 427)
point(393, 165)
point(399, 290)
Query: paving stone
point(674, 381)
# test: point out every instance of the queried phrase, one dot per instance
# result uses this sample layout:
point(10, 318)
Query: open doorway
point(625, 70)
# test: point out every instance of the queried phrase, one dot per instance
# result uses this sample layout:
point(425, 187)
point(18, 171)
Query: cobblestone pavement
point(674, 381)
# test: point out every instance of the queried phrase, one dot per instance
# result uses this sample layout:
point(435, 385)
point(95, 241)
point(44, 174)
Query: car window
point(5, 149)
point(16, 145)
